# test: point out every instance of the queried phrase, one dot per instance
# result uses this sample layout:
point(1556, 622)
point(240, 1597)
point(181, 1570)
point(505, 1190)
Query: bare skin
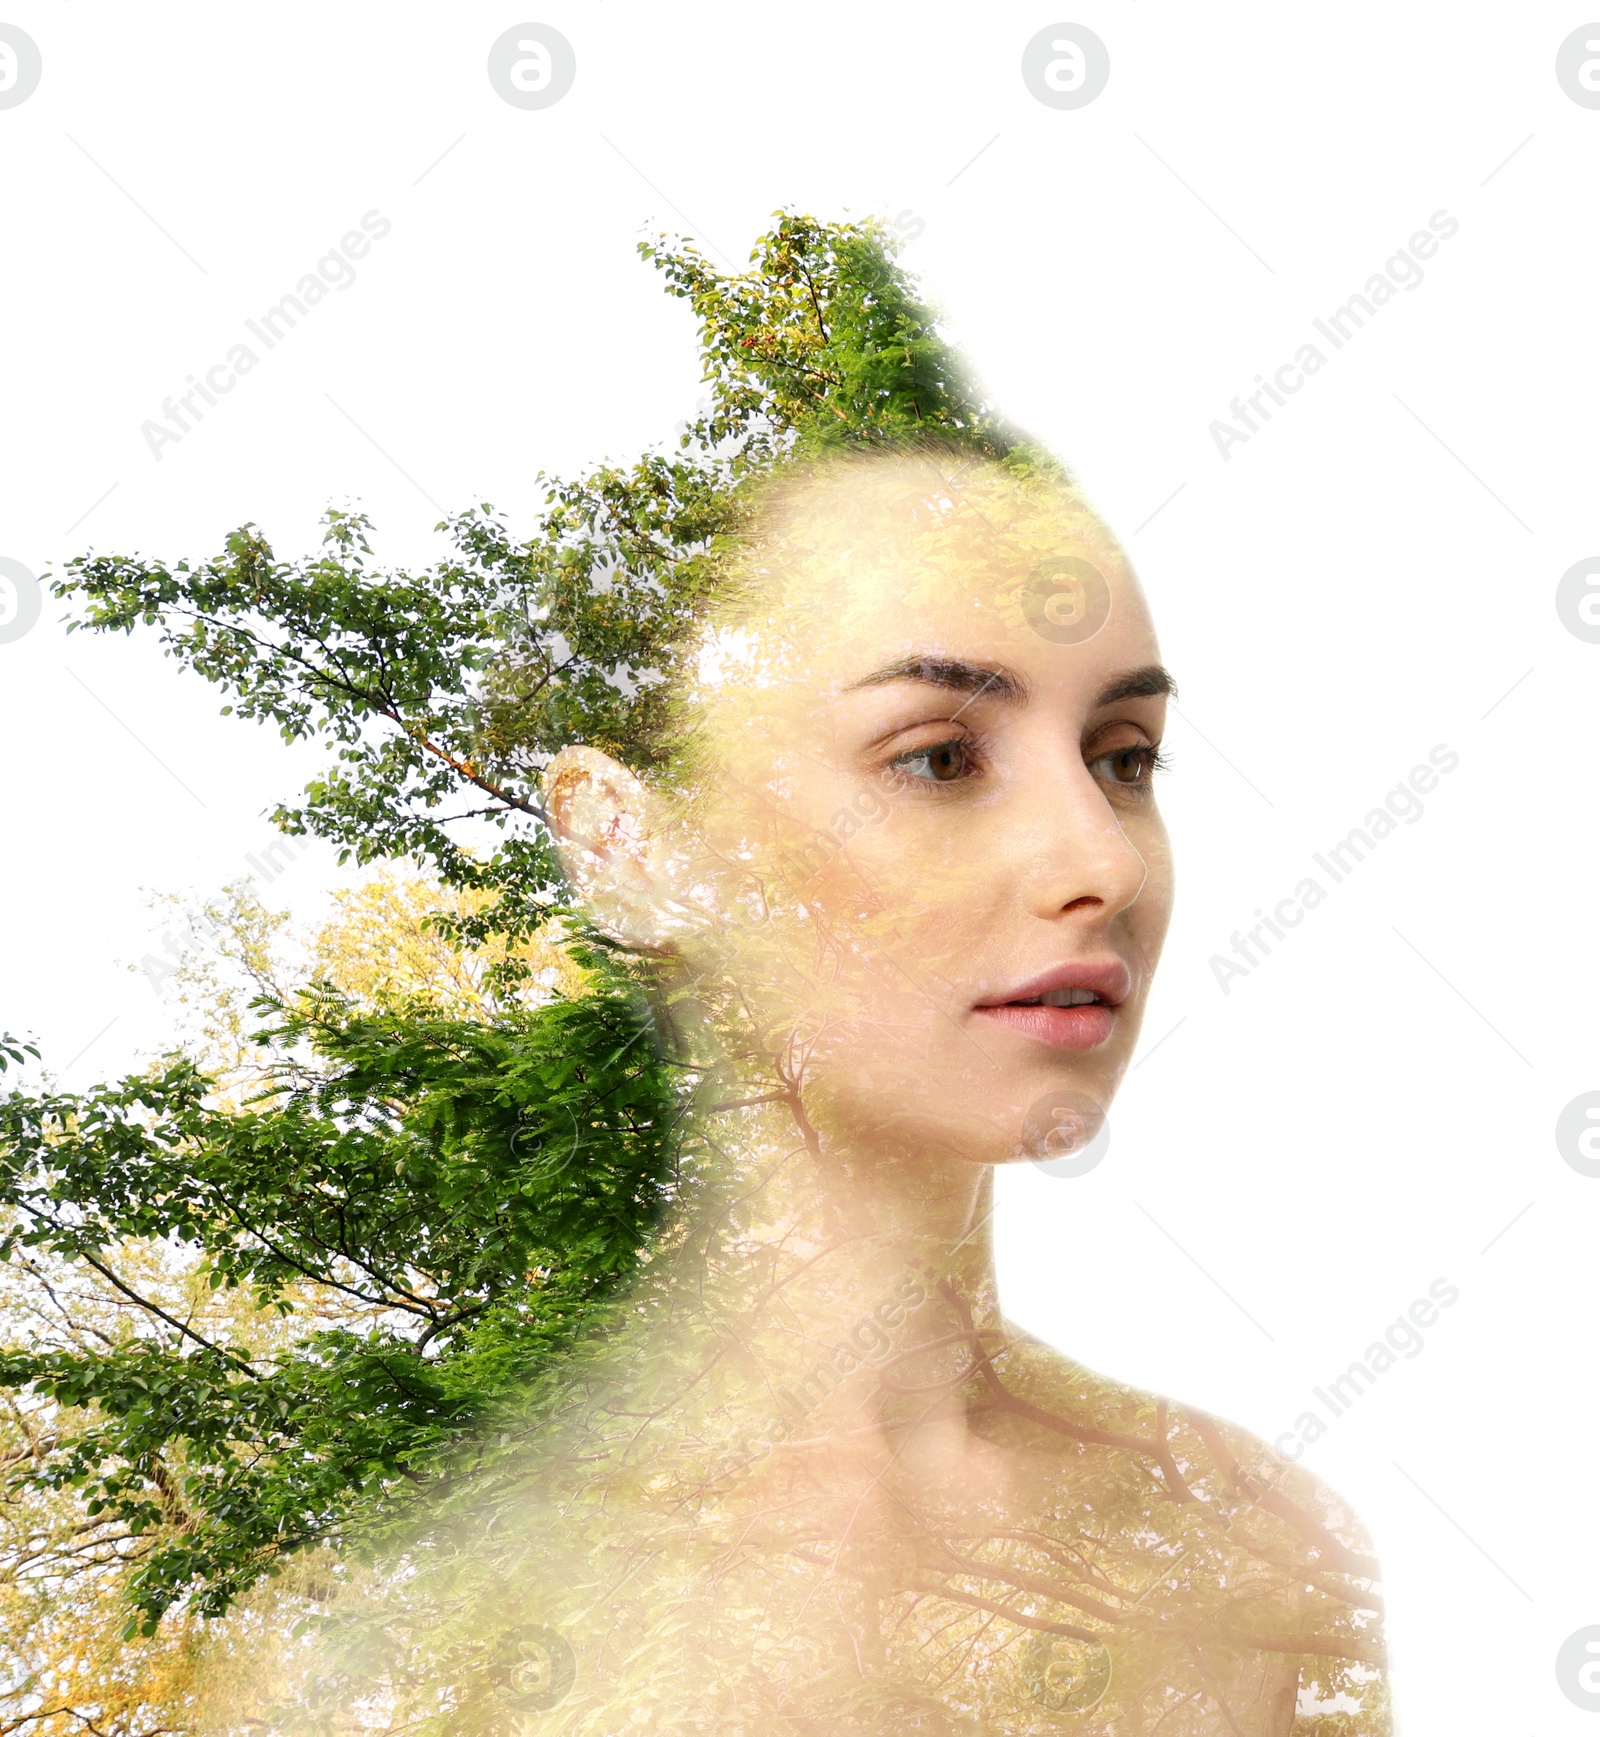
point(814, 1481)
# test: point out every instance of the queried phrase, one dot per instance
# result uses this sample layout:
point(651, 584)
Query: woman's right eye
point(943, 763)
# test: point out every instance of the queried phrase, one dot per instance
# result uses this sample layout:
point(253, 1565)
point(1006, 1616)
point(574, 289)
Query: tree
point(68, 1560)
point(468, 1174)
point(444, 693)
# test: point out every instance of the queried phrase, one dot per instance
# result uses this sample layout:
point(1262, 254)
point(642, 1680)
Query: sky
point(1368, 530)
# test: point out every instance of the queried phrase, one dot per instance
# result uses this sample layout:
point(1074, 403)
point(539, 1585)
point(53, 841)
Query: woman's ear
point(604, 824)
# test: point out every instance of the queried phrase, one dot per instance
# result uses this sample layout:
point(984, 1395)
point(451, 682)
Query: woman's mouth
point(1072, 1007)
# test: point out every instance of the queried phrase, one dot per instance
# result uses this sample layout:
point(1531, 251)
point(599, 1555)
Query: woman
point(904, 885)
point(845, 727)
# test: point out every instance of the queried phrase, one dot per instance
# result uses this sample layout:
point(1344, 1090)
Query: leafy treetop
point(457, 1191)
point(444, 693)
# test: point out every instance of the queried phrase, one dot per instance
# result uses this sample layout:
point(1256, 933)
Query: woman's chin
point(956, 1116)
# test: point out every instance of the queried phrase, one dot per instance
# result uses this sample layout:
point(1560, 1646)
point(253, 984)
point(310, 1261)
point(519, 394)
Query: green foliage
point(444, 693)
point(826, 341)
point(467, 1193)
point(464, 1194)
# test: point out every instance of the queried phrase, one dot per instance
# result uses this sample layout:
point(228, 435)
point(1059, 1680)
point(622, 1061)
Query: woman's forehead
point(891, 559)
point(870, 513)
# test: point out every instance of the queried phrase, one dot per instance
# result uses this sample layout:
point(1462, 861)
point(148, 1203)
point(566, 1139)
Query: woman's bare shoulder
point(1198, 1454)
point(1255, 1554)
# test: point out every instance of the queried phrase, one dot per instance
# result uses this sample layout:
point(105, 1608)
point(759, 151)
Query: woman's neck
point(821, 1290)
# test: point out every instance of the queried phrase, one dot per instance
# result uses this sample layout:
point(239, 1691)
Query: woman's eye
point(1128, 765)
point(944, 763)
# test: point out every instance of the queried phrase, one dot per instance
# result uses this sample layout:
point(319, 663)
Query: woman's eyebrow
point(999, 683)
point(1138, 684)
point(953, 673)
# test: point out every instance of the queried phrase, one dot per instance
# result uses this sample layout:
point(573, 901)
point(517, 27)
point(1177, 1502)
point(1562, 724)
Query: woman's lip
point(1084, 1027)
point(1110, 979)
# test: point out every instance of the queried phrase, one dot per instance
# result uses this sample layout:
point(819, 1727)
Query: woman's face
point(924, 824)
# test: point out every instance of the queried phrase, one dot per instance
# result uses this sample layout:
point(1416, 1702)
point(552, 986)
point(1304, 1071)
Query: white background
point(1372, 574)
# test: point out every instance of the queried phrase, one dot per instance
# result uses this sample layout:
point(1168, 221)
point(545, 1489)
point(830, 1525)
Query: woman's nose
point(1080, 858)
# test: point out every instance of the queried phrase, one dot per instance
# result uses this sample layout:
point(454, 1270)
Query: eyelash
point(1151, 759)
point(971, 744)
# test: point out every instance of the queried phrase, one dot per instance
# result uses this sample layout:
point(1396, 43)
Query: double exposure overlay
point(618, 1348)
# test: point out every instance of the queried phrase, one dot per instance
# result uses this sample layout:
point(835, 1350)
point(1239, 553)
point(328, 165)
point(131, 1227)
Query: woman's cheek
point(1151, 913)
